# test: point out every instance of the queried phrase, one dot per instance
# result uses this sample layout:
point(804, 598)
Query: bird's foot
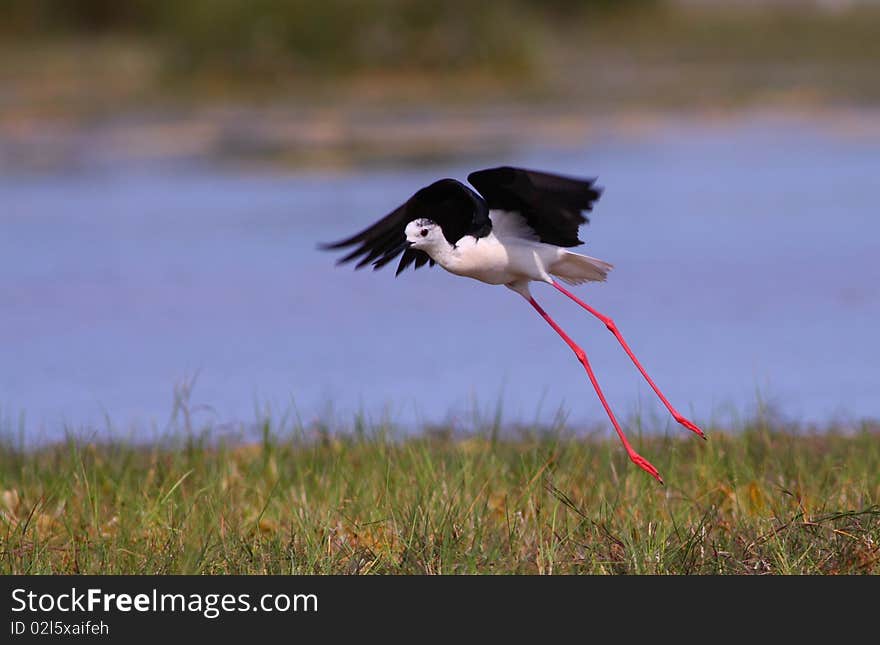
point(646, 465)
point(690, 425)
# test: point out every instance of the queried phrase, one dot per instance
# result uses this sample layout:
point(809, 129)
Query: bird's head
point(424, 234)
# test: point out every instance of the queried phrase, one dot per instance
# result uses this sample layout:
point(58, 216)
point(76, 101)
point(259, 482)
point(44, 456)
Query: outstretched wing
point(552, 205)
point(457, 209)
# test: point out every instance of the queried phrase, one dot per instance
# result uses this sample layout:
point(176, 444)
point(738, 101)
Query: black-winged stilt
point(517, 230)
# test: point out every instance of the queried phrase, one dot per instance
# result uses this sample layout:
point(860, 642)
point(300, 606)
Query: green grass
point(98, 57)
point(757, 501)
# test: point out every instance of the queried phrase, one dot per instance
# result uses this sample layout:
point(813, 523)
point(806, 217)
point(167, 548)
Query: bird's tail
point(575, 268)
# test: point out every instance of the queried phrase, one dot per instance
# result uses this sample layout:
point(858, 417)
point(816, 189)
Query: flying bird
point(519, 228)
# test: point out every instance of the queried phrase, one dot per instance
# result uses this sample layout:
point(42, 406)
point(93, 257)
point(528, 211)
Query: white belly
point(488, 260)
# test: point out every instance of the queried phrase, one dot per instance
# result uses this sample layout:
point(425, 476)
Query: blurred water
point(746, 262)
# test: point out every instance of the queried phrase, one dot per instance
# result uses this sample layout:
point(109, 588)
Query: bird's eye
point(424, 232)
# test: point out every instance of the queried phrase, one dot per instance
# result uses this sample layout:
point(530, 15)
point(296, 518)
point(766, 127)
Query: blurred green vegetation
point(89, 56)
point(265, 36)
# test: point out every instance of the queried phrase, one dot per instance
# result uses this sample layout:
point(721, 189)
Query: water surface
point(746, 262)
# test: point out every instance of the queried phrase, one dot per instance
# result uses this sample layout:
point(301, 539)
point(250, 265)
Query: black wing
point(551, 204)
point(457, 209)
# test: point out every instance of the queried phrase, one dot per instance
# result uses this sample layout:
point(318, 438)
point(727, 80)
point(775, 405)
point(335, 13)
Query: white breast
point(498, 261)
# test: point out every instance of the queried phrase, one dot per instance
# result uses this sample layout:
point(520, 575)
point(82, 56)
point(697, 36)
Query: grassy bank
point(100, 58)
point(336, 84)
point(758, 501)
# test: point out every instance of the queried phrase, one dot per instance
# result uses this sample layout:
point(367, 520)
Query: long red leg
point(640, 461)
point(690, 425)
